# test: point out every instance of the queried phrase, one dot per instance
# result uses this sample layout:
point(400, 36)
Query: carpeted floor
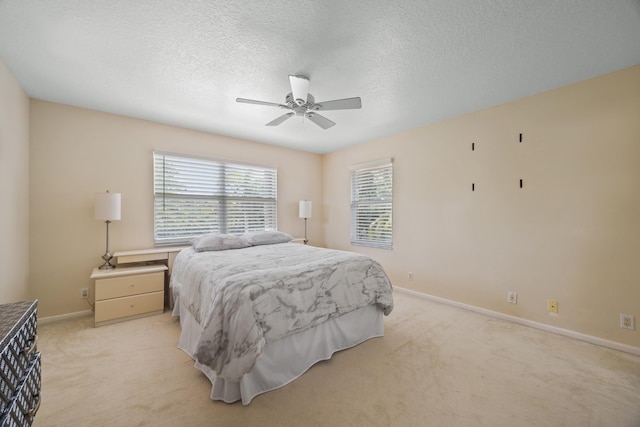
point(437, 365)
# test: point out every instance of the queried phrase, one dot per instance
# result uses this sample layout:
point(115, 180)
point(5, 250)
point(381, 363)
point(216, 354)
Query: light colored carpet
point(437, 365)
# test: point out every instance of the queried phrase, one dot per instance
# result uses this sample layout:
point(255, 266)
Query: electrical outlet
point(410, 275)
point(84, 293)
point(552, 306)
point(627, 321)
point(512, 297)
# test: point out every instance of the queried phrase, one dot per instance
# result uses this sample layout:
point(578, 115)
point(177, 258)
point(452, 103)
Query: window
point(196, 195)
point(372, 204)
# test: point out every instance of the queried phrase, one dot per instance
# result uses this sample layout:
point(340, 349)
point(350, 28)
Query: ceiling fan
point(301, 103)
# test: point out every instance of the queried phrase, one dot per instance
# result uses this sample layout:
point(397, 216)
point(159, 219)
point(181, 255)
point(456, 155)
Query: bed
point(257, 311)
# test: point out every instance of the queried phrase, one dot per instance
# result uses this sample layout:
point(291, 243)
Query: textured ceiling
point(413, 62)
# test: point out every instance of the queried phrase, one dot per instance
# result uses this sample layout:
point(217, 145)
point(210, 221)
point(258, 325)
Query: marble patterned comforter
point(241, 298)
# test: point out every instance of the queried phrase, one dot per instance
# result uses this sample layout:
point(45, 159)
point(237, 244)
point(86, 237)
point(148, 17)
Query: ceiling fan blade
point(339, 104)
point(299, 88)
point(280, 119)
point(252, 101)
point(321, 121)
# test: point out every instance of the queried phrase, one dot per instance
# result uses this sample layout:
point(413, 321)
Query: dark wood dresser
point(19, 364)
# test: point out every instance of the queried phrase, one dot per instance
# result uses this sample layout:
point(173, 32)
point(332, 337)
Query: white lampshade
point(107, 207)
point(305, 209)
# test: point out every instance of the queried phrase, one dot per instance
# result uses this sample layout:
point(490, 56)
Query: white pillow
point(256, 238)
point(218, 242)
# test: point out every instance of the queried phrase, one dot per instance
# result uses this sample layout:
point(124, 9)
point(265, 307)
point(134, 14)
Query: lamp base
point(107, 262)
point(305, 232)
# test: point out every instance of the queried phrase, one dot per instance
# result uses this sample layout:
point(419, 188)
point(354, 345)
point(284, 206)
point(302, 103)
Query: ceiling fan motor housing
point(299, 106)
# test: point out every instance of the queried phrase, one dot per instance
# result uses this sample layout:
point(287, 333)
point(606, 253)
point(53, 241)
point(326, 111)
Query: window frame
point(381, 169)
point(204, 199)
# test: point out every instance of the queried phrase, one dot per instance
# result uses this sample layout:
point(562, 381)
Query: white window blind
point(372, 204)
point(193, 196)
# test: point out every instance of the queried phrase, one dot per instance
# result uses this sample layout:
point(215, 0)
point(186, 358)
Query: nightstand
point(126, 293)
point(164, 255)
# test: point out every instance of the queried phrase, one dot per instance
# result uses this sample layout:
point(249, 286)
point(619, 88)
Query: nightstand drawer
point(129, 285)
point(129, 306)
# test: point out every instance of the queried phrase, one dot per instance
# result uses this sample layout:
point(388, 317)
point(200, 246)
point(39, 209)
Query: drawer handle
point(32, 347)
point(31, 413)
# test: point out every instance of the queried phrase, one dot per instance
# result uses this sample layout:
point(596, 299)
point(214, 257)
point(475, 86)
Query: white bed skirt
point(284, 360)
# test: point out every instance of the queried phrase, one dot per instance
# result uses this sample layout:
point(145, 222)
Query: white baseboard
point(537, 325)
point(51, 319)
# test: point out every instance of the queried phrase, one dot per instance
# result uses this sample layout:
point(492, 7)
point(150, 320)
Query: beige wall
point(14, 189)
point(571, 234)
point(77, 152)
